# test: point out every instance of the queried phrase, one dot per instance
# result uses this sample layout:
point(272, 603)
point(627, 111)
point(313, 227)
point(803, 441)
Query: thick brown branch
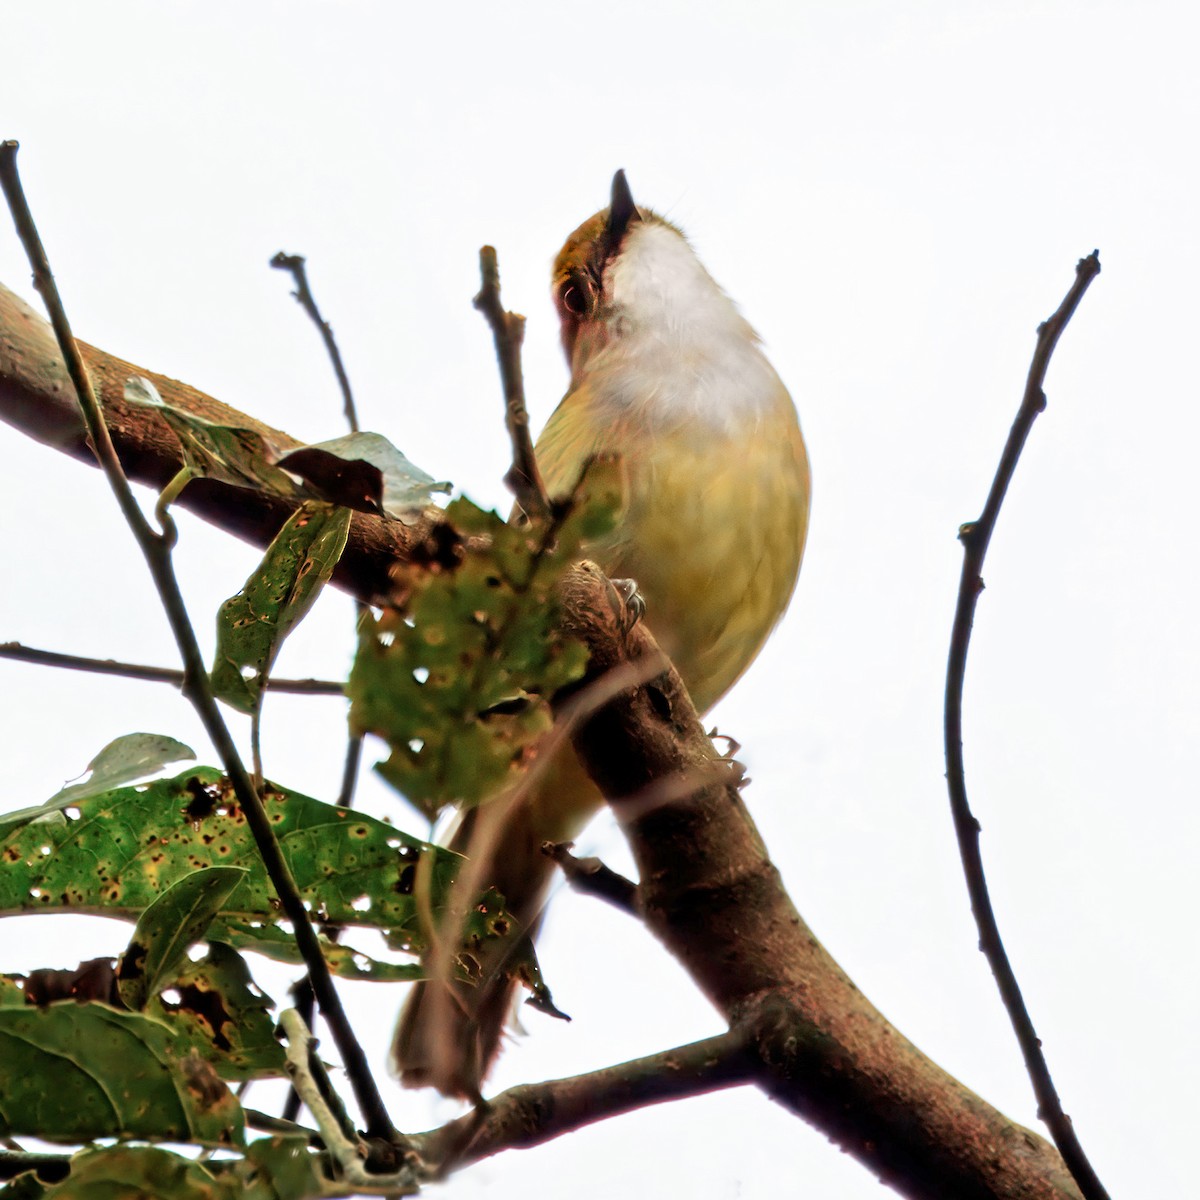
point(711, 894)
point(36, 397)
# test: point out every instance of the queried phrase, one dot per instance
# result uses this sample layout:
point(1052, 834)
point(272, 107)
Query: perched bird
point(666, 374)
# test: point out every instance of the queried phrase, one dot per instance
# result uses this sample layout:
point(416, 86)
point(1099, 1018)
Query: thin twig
point(155, 548)
point(508, 332)
point(110, 666)
point(257, 1119)
point(354, 750)
point(304, 1002)
point(49, 1168)
point(304, 297)
point(349, 1153)
point(533, 1113)
point(591, 877)
point(354, 741)
point(975, 537)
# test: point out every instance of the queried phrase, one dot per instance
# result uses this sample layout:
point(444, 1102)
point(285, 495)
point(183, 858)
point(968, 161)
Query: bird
point(667, 375)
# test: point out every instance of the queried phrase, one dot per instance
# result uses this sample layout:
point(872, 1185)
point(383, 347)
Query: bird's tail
point(449, 1031)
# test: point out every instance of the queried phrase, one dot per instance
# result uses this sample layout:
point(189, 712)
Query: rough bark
point(36, 397)
point(710, 892)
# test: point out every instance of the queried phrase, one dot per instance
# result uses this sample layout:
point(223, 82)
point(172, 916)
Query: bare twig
point(508, 331)
point(304, 297)
point(533, 1113)
point(49, 1168)
point(349, 1153)
point(155, 548)
point(257, 1119)
point(110, 666)
point(294, 263)
point(354, 749)
point(305, 1003)
point(591, 877)
point(975, 537)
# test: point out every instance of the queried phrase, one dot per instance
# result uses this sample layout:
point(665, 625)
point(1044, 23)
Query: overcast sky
point(895, 195)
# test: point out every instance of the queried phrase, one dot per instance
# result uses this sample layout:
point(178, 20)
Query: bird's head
point(626, 271)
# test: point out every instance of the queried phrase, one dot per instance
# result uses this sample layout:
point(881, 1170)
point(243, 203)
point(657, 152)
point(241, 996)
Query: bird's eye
point(573, 299)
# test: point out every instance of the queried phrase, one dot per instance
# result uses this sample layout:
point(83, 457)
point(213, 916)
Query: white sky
point(896, 196)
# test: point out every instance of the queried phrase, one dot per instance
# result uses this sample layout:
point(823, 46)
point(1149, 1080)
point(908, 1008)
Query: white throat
point(677, 349)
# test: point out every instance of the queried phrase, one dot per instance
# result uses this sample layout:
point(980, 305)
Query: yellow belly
point(713, 531)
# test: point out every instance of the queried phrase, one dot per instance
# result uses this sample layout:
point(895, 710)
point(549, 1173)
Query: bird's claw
point(634, 602)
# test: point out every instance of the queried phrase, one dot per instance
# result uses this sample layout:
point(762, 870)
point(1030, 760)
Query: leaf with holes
point(116, 1074)
point(215, 1006)
point(252, 625)
point(457, 676)
point(135, 1173)
point(277, 1168)
point(115, 854)
point(277, 944)
point(177, 919)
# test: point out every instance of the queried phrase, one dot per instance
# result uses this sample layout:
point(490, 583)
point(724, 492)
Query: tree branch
point(975, 537)
point(49, 1168)
point(533, 1113)
point(508, 332)
point(303, 990)
point(592, 878)
point(713, 897)
point(304, 297)
point(36, 397)
point(110, 666)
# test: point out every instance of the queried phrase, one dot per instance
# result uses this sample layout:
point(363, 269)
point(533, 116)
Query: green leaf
point(252, 625)
point(126, 847)
point(458, 675)
point(135, 1173)
point(345, 961)
point(115, 1074)
point(232, 454)
point(12, 994)
point(218, 1010)
point(490, 940)
point(176, 920)
point(25, 1186)
point(123, 760)
point(278, 1168)
point(366, 472)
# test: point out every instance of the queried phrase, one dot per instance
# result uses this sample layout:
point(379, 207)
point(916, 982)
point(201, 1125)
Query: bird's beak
point(622, 211)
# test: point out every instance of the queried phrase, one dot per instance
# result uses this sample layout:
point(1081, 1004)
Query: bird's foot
point(634, 602)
